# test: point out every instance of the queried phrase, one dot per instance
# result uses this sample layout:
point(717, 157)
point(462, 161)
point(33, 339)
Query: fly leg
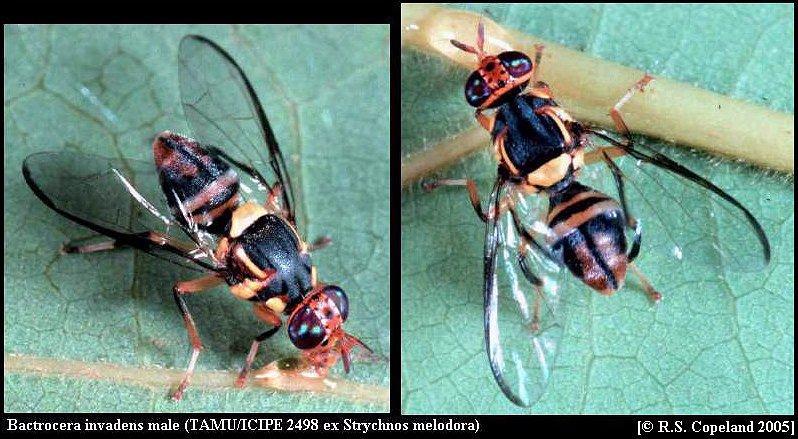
point(485, 120)
point(615, 111)
point(267, 315)
point(74, 246)
point(473, 194)
point(623, 145)
point(470, 185)
point(157, 238)
point(652, 293)
point(606, 153)
point(179, 290)
point(537, 283)
point(320, 243)
point(527, 241)
point(241, 381)
point(620, 149)
point(631, 221)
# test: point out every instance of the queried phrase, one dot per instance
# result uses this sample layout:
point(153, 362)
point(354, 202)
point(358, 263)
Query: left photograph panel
point(196, 218)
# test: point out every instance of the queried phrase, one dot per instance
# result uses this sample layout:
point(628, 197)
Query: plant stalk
point(588, 87)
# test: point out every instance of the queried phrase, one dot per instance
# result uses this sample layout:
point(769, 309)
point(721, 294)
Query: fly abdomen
point(589, 236)
point(197, 185)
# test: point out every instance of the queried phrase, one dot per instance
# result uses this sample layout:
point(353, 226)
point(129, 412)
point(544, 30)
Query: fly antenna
point(481, 37)
point(479, 50)
point(464, 47)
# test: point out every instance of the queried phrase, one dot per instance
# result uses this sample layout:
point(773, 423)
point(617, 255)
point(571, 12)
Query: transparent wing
point(685, 218)
point(225, 114)
point(524, 310)
point(120, 199)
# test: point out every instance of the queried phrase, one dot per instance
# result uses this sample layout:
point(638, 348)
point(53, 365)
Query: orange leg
point(470, 185)
point(652, 293)
point(71, 247)
point(473, 194)
point(485, 120)
point(179, 290)
point(527, 241)
point(615, 111)
point(537, 284)
point(606, 154)
point(157, 238)
point(267, 315)
point(320, 243)
point(620, 125)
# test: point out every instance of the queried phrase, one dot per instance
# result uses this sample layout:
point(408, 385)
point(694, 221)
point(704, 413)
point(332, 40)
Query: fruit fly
point(541, 152)
point(201, 189)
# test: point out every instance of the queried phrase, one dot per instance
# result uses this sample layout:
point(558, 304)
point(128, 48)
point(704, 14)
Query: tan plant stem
point(588, 87)
point(203, 380)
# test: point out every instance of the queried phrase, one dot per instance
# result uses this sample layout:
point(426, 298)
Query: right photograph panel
point(597, 209)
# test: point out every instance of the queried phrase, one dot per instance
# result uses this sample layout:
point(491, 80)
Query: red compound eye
point(476, 90)
point(337, 295)
point(305, 329)
point(517, 64)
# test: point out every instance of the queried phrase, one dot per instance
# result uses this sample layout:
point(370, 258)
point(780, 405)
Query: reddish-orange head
point(497, 76)
point(316, 327)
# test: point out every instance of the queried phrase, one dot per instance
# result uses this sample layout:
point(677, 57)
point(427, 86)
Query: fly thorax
point(265, 248)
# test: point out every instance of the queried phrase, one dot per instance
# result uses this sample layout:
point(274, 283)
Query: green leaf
point(719, 347)
point(108, 90)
